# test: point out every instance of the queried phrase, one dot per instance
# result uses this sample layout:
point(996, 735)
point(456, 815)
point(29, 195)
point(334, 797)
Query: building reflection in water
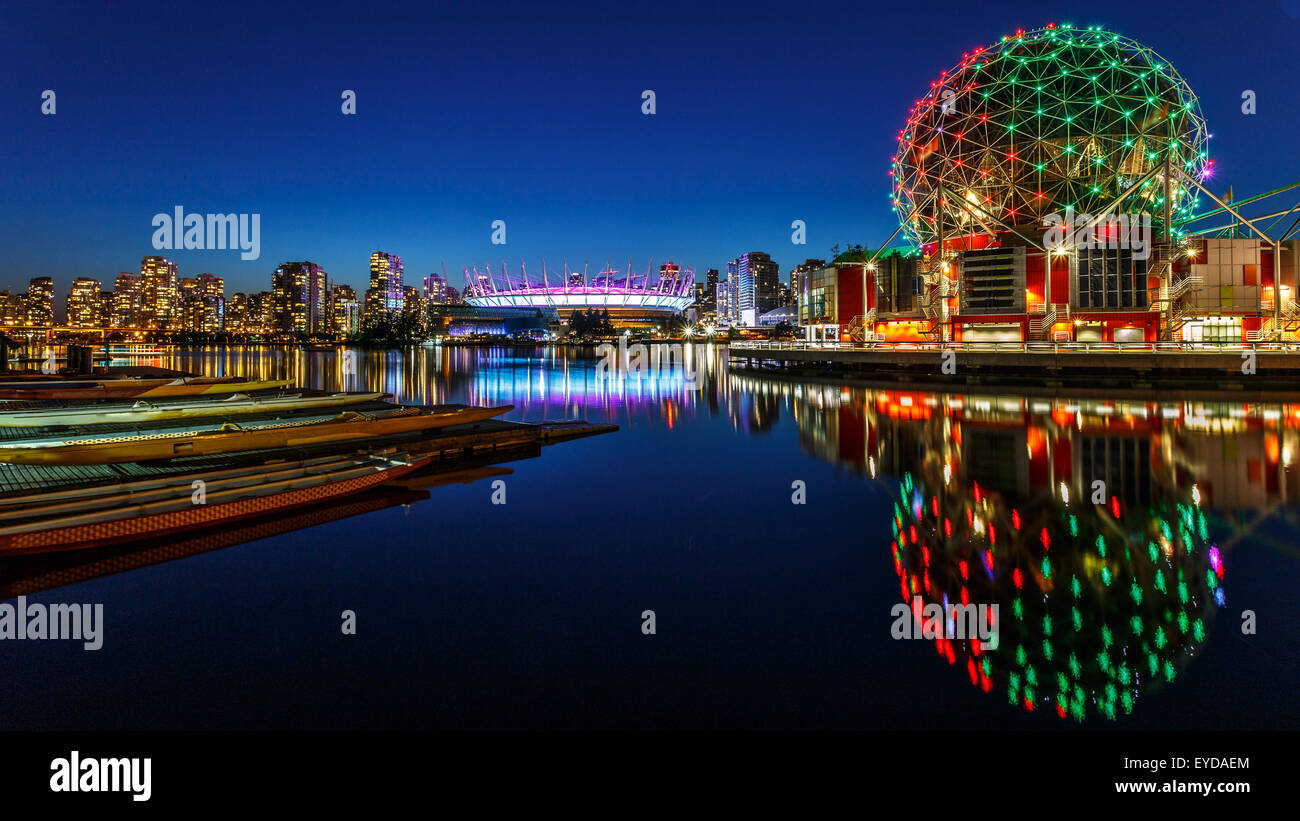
point(543, 383)
point(1092, 524)
point(1100, 527)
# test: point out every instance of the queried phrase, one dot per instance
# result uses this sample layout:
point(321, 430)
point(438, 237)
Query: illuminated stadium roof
point(669, 290)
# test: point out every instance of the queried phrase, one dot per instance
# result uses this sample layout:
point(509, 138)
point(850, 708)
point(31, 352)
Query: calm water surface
point(768, 613)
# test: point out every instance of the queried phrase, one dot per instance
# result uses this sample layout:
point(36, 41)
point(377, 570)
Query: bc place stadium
point(631, 299)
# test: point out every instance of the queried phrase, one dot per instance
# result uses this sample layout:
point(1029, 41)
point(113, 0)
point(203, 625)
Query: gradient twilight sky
point(531, 113)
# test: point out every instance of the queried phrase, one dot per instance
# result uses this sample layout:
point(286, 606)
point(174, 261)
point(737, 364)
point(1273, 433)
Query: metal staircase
point(1174, 288)
point(862, 325)
point(1046, 316)
point(938, 288)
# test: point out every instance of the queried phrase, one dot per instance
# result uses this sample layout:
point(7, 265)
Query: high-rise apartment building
point(301, 298)
point(709, 303)
point(345, 310)
point(203, 303)
point(40, 302)
point(435, 289)
point(385, 294)
point(13, 308)
point(84, 303)
point(160, 295)
point(726, 306)
point(128, 300)
point(757, 286)
point(799, 273)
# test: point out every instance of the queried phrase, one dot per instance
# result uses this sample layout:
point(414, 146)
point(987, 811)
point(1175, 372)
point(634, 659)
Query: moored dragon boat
point(107, 514)
point(144, 411)
point(230, 437)
point(133, 388)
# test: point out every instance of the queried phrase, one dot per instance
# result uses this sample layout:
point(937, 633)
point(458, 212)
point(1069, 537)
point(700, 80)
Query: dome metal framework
point(1042, 121)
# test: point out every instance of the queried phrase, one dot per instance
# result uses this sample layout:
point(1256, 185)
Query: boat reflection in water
point(31, 574)
point(1092, 525)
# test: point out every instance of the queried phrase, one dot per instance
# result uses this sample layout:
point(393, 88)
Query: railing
point(1043, 347)
point(859, 325)
point(1185, 284)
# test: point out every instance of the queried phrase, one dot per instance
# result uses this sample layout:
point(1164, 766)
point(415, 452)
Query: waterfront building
point(733, 292)
point(436, 289)
point(411, 299)
point(128, 300)
point(300, 298)
point(725, 299)
point(13, 308)
point(203, 303)
point(345, 310)
point(798, 273)
point(40, 302)
point(83, 304)
point(709, 300)
point(757, 285)
point(1079, 220)
point(159, 292)
point(385, 294)
point(236, 320)
point(261, 312)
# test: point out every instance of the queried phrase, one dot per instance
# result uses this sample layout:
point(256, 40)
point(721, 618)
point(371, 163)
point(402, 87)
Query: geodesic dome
point(1044, 120)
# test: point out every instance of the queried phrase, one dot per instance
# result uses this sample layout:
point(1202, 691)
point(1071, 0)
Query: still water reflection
point(1111, 533)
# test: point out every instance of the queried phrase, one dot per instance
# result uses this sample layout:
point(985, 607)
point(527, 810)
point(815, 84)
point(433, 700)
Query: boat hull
point(99, 534)
point(114, 415)
point(144, 448)
point(139, 388)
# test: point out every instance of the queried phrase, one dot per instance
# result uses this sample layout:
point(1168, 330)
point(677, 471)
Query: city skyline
point(444, 145)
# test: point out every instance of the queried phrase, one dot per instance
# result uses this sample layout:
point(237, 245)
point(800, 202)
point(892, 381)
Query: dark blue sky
point(530, 113)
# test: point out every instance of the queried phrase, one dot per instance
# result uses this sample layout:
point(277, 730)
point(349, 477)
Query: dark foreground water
point(768, 613)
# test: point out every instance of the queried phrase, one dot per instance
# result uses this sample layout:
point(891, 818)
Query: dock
point(1015, 364)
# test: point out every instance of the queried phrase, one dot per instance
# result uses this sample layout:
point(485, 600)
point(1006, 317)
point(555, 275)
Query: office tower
point(301, 298)
point(83, 303)
point(385, 294)
point(40, 302)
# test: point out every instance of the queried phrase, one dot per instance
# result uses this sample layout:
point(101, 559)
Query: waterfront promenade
point(1208, 364)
